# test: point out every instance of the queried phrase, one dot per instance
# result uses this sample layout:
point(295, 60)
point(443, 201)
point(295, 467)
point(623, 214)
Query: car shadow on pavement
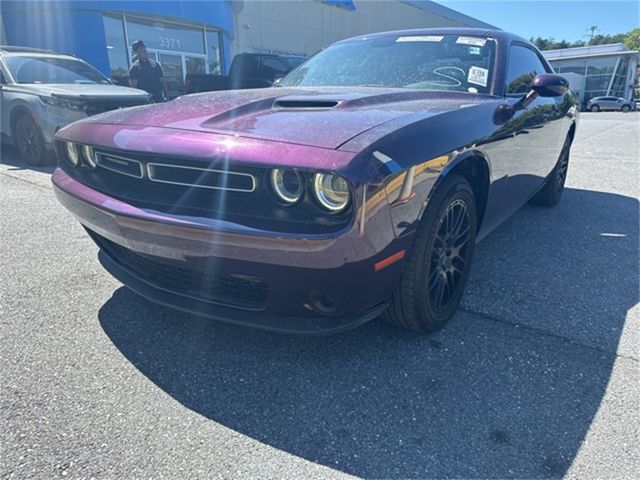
point(507, 390)
point(9, 156)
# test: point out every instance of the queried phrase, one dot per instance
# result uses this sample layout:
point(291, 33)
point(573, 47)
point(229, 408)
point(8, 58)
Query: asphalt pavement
point(535, 377)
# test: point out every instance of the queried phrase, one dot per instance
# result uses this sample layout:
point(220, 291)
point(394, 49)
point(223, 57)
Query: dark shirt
point(148, 75)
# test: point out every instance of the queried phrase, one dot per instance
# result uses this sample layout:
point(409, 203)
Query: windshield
point(25, 69)
point(432, 62)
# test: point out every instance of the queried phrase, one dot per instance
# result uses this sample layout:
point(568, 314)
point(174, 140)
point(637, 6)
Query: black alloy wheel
point(448, 255)
point(562, 167)
point(551, 193)
point(30, 141)
point(438, 264)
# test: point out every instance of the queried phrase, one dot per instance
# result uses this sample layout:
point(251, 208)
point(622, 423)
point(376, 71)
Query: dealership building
point(202, 37)
point(597, 71)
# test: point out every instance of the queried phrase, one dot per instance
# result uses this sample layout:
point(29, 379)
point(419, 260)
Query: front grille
point(95, 108)
point(217, 189)
point(194, 279)
point(201, 177)
point(122, 165)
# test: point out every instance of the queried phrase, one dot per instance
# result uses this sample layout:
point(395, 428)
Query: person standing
point(146, 74)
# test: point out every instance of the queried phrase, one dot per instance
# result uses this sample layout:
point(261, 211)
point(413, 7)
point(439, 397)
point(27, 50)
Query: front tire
point(439, 262)
point(626, 108)
point(30, 141)
point(595, 108)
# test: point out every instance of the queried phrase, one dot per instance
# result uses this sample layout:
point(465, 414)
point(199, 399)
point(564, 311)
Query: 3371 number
point(169, 42)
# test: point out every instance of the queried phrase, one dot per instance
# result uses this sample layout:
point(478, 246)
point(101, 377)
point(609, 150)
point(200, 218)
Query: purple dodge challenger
point(357, 186)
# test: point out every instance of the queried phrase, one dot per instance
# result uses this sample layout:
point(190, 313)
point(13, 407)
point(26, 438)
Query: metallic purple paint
point(204, 146)
point(252, 114)
point(424, 135)
point(292, 267)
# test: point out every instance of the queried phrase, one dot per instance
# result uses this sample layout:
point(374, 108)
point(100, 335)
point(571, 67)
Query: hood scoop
point(304, 104)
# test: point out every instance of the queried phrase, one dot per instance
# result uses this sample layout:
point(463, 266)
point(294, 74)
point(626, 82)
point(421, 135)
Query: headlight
point(72, 153)
point(63, 103)
point(332, 191)
point(89, 156)
point(287, 184)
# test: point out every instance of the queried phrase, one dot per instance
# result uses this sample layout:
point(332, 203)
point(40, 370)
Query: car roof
point(42, 55)
point(7, 50)
point(16, 49)
point(499, 35)
point(279, 55)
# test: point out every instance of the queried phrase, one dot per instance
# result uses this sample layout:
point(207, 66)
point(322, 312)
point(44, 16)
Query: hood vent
point(305, 104)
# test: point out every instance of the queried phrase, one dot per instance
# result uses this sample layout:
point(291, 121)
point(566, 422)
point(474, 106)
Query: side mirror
point(549, 85)
point(543, 85)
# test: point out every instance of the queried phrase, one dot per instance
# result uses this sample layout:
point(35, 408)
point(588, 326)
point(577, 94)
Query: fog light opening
point(322, 302)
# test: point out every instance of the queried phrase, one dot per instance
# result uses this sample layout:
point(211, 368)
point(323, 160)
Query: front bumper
point(221, 270)
point(51, 119)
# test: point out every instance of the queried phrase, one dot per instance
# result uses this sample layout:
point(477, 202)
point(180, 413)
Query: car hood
point(82, 91)
point(319, 117)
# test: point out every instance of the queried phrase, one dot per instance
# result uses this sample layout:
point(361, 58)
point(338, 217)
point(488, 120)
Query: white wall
point(305, 26)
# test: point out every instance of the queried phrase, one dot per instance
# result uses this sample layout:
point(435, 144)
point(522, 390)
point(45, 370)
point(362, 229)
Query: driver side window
point(524, 65)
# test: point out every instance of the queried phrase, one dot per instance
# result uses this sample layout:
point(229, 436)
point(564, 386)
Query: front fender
point(409, 191)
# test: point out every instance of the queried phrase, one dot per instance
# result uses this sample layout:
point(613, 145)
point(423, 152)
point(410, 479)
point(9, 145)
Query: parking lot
point(536, 376)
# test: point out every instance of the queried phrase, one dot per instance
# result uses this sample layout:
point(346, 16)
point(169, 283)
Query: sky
point(560, 19)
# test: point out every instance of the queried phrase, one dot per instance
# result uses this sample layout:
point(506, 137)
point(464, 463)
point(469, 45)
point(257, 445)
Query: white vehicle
point(42, 91)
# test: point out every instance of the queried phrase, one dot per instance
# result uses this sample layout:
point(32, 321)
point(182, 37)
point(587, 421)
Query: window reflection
point(116, 49)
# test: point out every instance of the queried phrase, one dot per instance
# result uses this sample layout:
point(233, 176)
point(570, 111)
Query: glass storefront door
point(176, 66)
point(194, 64)
point(173, 73)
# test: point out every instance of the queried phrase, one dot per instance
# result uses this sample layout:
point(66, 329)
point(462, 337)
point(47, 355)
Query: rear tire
point(29, 141)
point(595, 108)
point(551, 193)
point(439, 262)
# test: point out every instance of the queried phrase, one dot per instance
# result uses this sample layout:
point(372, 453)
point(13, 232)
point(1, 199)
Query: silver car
point(610, 103)
point(41, 92)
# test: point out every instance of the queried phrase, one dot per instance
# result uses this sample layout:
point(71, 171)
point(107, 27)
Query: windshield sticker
point(478, 76)
point(475, 41)
point(474, 50)
point(420, 38)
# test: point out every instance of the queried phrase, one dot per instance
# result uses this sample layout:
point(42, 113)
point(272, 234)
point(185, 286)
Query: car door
point(610, 103)
point(530, 142)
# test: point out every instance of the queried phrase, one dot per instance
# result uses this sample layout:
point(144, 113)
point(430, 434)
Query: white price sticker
point(475, 41)
point(420, 38)
point(478, 76)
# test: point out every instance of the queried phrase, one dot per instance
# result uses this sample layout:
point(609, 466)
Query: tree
point(552, 44)
point(632, 39)
point(605, 39)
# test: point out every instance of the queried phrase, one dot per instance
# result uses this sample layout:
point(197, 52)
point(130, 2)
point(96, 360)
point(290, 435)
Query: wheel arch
point(475, 168)
point(16, 113)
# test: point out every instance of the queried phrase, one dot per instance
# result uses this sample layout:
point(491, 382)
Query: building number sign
point(169, 42)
